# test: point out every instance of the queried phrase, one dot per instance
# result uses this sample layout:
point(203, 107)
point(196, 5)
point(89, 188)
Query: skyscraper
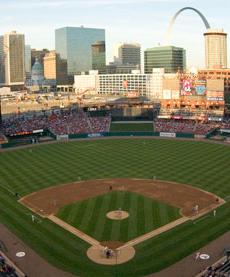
point(98, 56)
point(74, 45)
point(129, 54)
point(215, 49)
point(171, 58)
point(28, 61)
point(12, 52)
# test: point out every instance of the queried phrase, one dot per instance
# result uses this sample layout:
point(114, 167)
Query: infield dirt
point(48, 201)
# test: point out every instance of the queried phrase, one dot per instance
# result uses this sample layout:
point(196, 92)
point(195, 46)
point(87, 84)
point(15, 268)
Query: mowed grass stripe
point(141, 215)
point(116, 224)
point(100, 223)
point(132, 229)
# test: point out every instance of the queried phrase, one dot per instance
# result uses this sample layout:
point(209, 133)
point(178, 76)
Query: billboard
point(125, 84)
point(193, 87)
point(186, 88)
point(215, 84)
point(200, 87)
point(215, 95)
point(133, 94)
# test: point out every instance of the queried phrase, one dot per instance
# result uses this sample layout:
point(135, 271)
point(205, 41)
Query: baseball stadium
point(127, 187)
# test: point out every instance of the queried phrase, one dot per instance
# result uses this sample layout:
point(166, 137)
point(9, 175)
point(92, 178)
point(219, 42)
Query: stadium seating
point(222, 269)
point(5, 269)
point(61, 123)
point(185, 126)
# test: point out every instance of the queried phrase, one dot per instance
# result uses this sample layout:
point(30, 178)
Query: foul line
point(74, 231)
point(133, 242)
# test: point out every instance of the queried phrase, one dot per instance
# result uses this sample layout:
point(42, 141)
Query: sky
point(142, 21)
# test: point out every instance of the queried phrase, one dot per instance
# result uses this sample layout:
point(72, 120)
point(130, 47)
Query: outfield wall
point(105, 134)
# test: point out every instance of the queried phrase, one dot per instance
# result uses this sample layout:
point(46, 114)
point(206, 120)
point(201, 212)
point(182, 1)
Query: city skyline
point(144, 22)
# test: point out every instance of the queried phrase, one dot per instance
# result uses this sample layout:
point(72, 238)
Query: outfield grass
point(145, 215)
point(131, 127)
point(199, 164)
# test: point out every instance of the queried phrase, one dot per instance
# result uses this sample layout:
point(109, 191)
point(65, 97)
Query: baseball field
point(201, 165)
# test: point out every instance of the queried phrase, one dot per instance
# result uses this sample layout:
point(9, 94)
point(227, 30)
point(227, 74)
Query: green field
point(131, 127)
point(145, 215)
point(198, 164)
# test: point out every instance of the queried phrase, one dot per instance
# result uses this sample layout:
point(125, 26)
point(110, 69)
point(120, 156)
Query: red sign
point(125, 84)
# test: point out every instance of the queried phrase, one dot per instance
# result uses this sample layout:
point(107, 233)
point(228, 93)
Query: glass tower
point(171, 58)
point(98, 56)
point(130, 54)
point(74, 45)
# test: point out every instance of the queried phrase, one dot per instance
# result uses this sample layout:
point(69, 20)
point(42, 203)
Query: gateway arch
point(169, 32)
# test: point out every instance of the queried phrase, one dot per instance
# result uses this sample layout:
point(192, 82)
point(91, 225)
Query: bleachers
point(220, 270)
point(185, 126)
point(61, 123)
point(6, 270)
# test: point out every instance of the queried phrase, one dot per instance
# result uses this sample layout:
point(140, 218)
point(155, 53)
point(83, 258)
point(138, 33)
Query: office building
point(116, 68)
point(215, 49)
point(135, 84)
point(2, 61)
point(171, 58)
point(124, 84)
point(55, 68)
point(12, 51)
point(98, 56)
point(128, 53)
point(74, 44)
point(28, 61)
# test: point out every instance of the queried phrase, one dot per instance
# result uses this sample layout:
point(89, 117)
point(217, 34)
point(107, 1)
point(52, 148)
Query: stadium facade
point(181, 96)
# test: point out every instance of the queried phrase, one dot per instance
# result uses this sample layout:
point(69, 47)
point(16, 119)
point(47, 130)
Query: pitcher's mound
point(117, 215)
point(98, 255)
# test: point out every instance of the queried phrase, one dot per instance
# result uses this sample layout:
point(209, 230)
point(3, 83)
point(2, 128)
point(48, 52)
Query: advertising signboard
point(193, 87)
point(215, 95)
point(200, 87)
point(186, 87)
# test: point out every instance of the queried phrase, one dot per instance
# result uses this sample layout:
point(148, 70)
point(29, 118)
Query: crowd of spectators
point(220, 270)
point(22, 125)
point(59, 123)
point(185, 126)
point(226, 123)
point(5, 269)
point(77, 123)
